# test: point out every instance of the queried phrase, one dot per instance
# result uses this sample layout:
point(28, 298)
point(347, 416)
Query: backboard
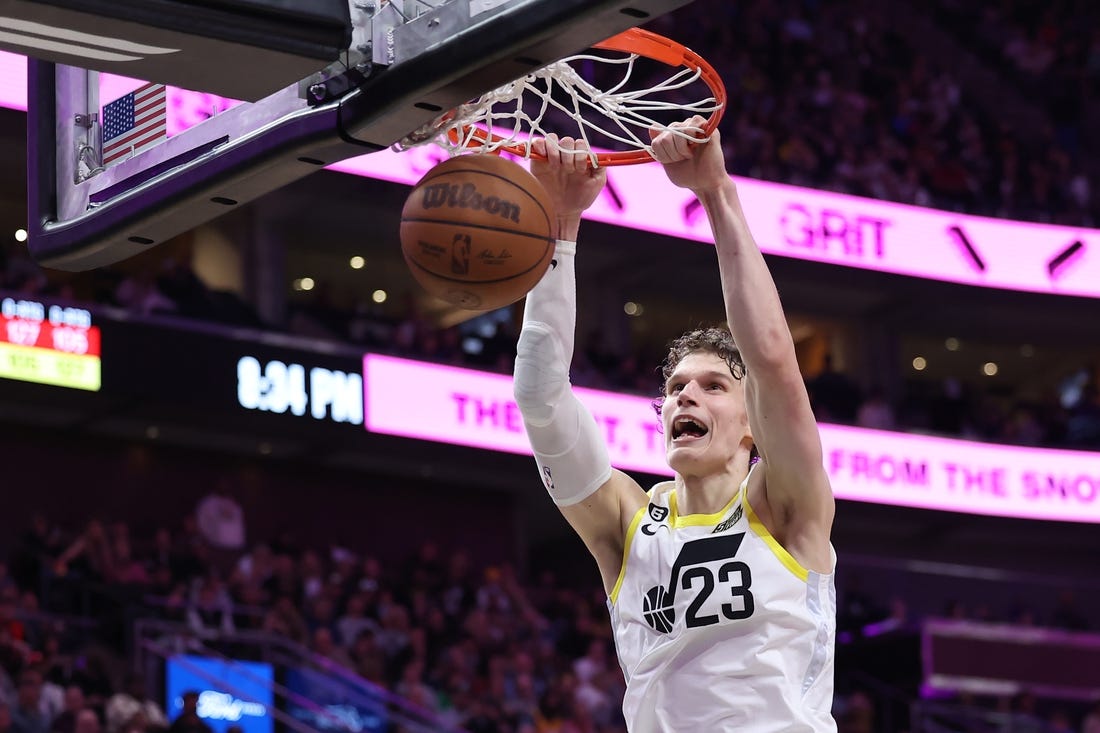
point(402, 63)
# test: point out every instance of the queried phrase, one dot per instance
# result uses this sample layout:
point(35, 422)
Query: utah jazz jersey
point(717, 627)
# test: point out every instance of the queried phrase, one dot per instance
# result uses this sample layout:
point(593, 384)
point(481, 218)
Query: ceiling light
point(919, 363)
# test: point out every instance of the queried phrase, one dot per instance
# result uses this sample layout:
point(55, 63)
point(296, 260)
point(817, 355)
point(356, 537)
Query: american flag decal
point(133, 123)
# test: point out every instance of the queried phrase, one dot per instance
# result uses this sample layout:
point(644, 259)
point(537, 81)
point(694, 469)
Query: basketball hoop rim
point(643, 43)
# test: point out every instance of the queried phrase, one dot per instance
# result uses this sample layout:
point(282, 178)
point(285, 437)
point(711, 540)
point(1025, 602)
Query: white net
point(558, 97)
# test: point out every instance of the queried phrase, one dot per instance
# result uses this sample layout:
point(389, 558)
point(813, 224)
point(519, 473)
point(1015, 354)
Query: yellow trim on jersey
point(777, 549)
point(614, 596)
point(696, 520)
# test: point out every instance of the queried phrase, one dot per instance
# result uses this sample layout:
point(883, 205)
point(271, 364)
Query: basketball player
point(719, 582)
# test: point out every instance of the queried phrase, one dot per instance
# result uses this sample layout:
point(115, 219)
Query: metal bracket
point(359, 61)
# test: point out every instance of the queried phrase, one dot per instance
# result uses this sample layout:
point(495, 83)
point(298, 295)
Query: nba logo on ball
point(475, 231)
point(657, 609)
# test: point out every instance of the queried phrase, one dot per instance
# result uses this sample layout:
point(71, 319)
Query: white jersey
point(718, 628)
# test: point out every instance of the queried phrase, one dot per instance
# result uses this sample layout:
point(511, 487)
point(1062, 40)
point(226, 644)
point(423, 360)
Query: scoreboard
point(49, 344)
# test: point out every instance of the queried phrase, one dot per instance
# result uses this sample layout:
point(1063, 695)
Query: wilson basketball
point(475, 231)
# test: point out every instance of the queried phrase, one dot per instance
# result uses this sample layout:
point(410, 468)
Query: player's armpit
point(602, 519)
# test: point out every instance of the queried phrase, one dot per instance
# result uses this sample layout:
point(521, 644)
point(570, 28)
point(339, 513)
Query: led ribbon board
point(464, 407)
point(786, 220)
point(49, 344)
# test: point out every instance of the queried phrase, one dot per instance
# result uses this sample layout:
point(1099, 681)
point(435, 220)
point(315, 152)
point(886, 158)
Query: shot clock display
point(49, 344)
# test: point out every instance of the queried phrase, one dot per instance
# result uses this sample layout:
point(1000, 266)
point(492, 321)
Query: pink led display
point(786, 220)
point(471, 408)
point(833, 228)
point(13, 81)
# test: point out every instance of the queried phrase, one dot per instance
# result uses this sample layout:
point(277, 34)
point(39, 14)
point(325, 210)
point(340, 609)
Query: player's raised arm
point(570, 452)
point(784, 430)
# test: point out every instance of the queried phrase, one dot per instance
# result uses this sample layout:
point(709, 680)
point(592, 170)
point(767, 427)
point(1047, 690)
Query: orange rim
point(644, 43)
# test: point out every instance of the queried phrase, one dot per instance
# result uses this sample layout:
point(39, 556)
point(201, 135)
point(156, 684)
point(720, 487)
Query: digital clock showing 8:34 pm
point(49, 344)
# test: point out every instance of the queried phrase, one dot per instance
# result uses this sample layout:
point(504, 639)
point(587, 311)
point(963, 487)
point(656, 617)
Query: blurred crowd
point(829, 95)
point(475, 645)
point(1055, 61)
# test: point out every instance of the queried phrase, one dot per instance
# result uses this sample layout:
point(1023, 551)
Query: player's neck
point(707, 493)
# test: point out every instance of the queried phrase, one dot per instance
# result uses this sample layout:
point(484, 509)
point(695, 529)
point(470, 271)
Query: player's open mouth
point(685, 429)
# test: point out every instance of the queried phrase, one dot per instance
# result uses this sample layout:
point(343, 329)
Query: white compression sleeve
point(571, 456)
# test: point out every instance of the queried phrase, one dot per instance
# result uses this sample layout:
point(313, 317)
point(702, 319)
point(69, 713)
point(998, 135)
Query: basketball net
point(501, 118)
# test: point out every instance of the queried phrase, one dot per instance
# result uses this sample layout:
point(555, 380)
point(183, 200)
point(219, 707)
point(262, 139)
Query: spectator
point(1083, 424)
point(188, 720)
point(91, 674)
point(368, 660)
point(283, 618)
point(6, 581)
point(1091, 723)
point(220, 520)
point(284, 580)
point(256, 566)
point(87, 722)
point(127, 569)
point(835, 396)
point(211, 609)
point(130, 701)
point(1059, 723)
point(1025, 719)
point(26, 714)
point(354, 621)
point(41, 542)
point(1066, 615)
point(875, 412)
point(139, 293)
point(312, 572)
point(65, 722)
point(323, 645)
point(89, 557)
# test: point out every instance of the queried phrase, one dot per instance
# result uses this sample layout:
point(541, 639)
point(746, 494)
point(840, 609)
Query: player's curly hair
point(710, 340)
point(717, 341)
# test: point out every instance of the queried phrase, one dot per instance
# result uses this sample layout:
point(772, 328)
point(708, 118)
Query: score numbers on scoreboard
point(49, 344)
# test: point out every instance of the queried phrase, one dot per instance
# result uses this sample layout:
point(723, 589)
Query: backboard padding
point(385, 107)
point(241, 49)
